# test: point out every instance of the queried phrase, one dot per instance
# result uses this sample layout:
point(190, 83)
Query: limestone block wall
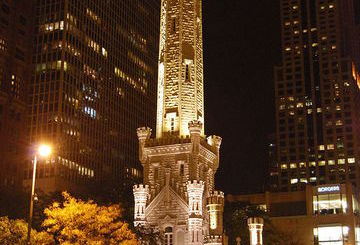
point(177, 163)
point(180, 83)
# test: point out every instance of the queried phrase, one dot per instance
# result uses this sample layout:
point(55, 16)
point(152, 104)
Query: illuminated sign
point(328, 189)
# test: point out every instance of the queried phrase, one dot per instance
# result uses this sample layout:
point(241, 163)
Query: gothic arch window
point(169, 236)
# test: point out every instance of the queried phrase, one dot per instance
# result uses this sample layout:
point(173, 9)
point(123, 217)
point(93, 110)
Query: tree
point(78, 222)
point(148, 235)
point(235, 223)
point(235, 220)
point(14, 232)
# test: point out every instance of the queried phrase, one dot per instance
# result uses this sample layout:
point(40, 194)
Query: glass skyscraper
point(95, 82)
point(317, 92)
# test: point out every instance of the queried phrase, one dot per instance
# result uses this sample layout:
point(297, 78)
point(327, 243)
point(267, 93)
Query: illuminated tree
point(14, 232)
point(78, 222)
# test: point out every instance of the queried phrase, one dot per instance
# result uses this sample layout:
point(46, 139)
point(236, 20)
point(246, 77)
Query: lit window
point(331, 162)
point(321, 163)
point(293, 165)
point(330, 147)
point(104, 52)
point(331, 235)
point(213, 220)
point(351, 160)
point(294, 181)
point(321, 147)
point(283, 166)
point(339, 123)
point(341, 161)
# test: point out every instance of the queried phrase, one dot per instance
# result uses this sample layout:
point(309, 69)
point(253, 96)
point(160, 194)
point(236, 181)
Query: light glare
point(44, 150)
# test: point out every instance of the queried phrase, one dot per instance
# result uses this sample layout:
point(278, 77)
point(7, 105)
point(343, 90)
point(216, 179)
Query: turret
point(215, 208)
point(195, 191)
point(256, 228)
point(195, 134)
point(143, 134)
point(215, 142)
point(195, 128)
point(141, 194)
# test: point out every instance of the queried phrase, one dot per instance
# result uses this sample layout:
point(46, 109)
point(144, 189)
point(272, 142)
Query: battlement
point(214, 141)
point(168, 141)
point(140, 189)
point(195, 185)
point(213, 239)
point(255, 221)
point(143, 133)
point(195, 127)
point(217, 197)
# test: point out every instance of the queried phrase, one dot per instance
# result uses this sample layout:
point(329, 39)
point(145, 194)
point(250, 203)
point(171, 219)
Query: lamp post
point(43, 151)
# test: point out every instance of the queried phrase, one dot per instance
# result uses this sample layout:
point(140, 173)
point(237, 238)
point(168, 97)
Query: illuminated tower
point(141, 194)
point(195, 191)
point(180, 80)
point(179, 164)
point(256, 228)
point(215, 208)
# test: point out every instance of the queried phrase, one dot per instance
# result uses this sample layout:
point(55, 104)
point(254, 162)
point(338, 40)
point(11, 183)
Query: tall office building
point(95, 82)
point(15, 60)
point(317, 91)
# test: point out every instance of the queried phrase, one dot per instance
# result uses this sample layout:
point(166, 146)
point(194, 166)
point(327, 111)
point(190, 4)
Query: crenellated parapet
point(141, 194)
point(143, 133)
point(195, 127)
point(216, 198)
point(213, 240)
point(214, 141)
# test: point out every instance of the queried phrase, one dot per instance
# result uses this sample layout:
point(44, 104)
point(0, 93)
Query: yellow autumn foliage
point(78, 222)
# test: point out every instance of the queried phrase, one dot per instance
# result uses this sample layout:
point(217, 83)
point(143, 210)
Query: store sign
point(328, 189)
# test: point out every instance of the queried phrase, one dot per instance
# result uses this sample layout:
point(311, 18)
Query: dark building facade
point(317, 94)
point(95, 82)
point(15, 60)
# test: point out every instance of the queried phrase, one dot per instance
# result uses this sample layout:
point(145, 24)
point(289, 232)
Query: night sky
point(241, 46)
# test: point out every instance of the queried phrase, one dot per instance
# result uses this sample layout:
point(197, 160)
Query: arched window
point(168, 236)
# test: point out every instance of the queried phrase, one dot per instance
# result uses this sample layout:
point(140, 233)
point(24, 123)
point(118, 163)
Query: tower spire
point(180, 78)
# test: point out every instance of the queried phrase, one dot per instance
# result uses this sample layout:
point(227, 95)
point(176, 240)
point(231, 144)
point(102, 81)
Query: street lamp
point(43, 151)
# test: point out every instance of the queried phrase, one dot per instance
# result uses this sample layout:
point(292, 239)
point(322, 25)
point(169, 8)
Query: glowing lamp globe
point(44, 150)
